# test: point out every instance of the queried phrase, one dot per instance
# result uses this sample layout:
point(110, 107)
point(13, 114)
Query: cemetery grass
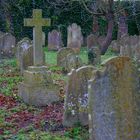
point(19, 121)
point(51, 56)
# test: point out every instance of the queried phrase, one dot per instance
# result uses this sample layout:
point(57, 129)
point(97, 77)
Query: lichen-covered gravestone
point(38, 87)
point(54, 40)
point(1, 42)
point(130, 46)
point(24, 54)
point(74, 38)
point(125, 46)
point(115, 46)
point(67, 59)
point(112, 101)
point(94, 55)
point(76, 100)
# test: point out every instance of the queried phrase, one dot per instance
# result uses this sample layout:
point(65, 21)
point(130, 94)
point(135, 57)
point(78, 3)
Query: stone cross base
point(38, 88)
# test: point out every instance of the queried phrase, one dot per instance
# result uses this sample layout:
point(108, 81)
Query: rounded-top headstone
point(62, 53)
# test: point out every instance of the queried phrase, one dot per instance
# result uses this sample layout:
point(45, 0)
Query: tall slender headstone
point(38, 87)
point(74, 38)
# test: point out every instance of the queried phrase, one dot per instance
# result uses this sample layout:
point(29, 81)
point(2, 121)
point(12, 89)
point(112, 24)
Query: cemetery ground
point(19, 121)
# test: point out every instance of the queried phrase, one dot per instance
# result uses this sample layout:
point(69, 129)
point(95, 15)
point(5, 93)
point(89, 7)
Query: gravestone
point(115, 46)
point(2, 34)
point(7, 44)
point(1, 42)
point(130, 46)
point(54, 40)
point(92, 40)
point(94, 55)
point(62, 53)
point(71, 61)
point(76, 100)
point(24, 54)
point(38, 87)
point(43, 39)
point(125, 46)
point(68, 60)
point(112, 101)
point(74, 38)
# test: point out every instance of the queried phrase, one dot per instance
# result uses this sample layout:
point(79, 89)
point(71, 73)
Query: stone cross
point(37, 22)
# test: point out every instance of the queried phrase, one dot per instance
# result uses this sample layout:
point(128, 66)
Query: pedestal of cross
point(38, 87)
point(37, 22)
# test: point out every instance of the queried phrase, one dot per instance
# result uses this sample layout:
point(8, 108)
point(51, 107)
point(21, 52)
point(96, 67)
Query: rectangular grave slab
point(38, 88)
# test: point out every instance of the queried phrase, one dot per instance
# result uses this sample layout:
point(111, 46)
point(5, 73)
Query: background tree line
point(92, 15)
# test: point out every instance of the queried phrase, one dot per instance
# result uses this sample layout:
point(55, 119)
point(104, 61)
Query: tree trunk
point(105, 44)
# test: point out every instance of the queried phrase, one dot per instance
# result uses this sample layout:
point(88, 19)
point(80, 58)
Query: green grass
point(37, 135)
point(8, 83)
point(51, 56)
point(107, 55)
point(83, 55)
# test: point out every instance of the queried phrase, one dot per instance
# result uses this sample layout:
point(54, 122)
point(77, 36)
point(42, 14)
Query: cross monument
point(37, 22)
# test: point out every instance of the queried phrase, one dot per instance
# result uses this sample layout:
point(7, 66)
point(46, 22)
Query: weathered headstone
point(24, 54)
point(112, 101)
point(92, 40)
point(68, 60)
point(76, 100)
point(71, 61)
point(43, 39)
point(130, 46)
point(74, 38)
point(38, 87)
point(125, 47)
point(115, 46)
point(7, 44)
point(2, 34)
point(94, 55)
point(62, 53)
point(54, 40)
point(1, 42)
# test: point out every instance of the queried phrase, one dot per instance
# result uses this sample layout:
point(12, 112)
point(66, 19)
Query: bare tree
point(102, 8)
point(96, 8)
point(112, 11)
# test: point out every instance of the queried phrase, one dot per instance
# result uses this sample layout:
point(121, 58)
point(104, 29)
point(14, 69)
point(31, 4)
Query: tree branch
point(91, 12)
